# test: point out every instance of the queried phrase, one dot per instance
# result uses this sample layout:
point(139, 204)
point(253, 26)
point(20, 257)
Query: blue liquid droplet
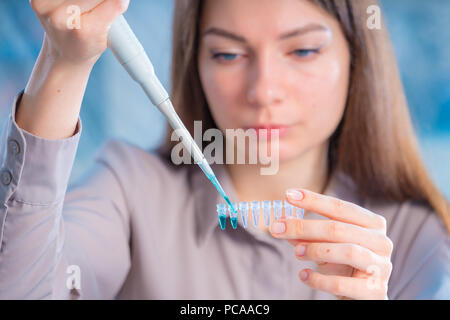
point(222, 221)
point(234, 222)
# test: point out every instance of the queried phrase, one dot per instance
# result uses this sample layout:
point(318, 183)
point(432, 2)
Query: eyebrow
point(296, 32)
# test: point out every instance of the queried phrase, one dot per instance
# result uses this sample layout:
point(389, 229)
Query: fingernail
point(304, 275)
point(294, 194)
point(278, 227)
point(300, 250)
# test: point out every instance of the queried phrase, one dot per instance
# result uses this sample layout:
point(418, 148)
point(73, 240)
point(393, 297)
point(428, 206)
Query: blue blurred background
point(115, 107)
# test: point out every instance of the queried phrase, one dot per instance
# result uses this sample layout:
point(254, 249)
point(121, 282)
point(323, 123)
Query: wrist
point(52, 98)
point(53, 57)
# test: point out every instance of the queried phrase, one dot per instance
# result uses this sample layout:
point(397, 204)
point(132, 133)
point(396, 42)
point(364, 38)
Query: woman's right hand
point(51, 102)
point(82, 44)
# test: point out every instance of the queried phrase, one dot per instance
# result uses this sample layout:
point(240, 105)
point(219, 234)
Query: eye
point(224, 56)
point(306, 52)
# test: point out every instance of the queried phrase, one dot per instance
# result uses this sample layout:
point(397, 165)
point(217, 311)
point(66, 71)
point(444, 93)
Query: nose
point(264, 87)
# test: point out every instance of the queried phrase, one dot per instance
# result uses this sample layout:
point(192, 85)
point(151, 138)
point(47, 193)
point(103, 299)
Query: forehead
point(261, 17)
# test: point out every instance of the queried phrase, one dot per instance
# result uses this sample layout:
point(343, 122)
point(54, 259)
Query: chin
point(289, 153)
point(286, 151)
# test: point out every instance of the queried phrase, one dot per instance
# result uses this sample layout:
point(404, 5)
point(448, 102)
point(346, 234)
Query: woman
point(138, 226)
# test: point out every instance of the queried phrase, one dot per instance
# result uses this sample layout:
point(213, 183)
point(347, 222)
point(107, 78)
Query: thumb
point(106, 13)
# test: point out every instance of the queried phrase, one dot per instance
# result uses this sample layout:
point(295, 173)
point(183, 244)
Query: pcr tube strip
point(255, 207)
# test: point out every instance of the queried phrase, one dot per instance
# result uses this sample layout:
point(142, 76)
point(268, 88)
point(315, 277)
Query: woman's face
point(274, 64)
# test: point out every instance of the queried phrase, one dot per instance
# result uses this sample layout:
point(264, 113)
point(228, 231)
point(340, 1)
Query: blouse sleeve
point(56, 244)
point(426, 271)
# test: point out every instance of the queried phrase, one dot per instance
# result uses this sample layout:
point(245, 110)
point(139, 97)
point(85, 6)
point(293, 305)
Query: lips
point(282, 129)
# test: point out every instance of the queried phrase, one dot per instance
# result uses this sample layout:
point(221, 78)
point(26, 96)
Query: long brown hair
point(374, 144)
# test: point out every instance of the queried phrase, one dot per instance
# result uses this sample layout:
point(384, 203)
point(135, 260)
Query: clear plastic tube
point(277, 209)
point(299, 212)
point(288, 208)
point(222, 212)
point(266, 205)
point(233, 215)
point(243, 209)
point(255, 206)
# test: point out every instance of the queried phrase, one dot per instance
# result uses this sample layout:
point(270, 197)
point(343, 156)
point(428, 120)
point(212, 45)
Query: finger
point(84, 5)
point(335, 208)
point(59, 16)
point(335, 269)
point(108, 10)
point(347, 254)
point(295, 242)
point(42, 7)
point(331, 231)
point(355, 288)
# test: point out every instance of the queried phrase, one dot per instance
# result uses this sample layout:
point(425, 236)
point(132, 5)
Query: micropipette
point(131, 54)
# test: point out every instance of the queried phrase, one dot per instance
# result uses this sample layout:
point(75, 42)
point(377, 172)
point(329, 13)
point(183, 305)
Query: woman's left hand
point(351, 249)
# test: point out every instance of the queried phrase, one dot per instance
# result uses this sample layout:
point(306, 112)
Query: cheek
point(325, 94)
point(222, 91)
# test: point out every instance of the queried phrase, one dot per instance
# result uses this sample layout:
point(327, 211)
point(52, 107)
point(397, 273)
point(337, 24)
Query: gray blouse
point(135, 227)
